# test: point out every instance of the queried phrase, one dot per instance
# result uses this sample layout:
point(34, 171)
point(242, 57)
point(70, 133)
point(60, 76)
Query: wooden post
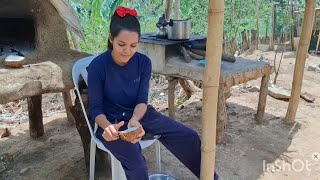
point(68, 105)
point(221, 114)
point(262, 98)
point(292, 26)
point(300, 61)
point(172, 82)
point(35, 116)
point(210, 87)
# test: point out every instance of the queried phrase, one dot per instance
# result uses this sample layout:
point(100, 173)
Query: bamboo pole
point(300, 61)
point(211, 87)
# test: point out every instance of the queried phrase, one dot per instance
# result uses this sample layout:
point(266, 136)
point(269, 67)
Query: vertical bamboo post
point(300, 61)
point(210, 87)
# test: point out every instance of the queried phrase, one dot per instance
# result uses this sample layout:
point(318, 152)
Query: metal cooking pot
point(179, 29)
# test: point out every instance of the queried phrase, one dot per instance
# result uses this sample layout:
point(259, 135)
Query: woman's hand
point(136, 123)
point(111, 132)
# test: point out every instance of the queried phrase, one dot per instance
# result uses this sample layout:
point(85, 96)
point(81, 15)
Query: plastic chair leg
point(117, 170)
point(92, 159)
point(158, 155)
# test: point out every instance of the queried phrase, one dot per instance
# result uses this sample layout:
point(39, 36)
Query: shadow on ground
point(59, 154)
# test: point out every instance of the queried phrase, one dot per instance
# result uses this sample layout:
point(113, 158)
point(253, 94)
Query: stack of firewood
point(198, 52)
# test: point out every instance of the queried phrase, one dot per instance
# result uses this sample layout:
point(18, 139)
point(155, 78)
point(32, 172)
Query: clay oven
point(36, 29)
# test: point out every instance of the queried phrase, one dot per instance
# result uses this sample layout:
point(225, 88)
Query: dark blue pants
point(180, 140)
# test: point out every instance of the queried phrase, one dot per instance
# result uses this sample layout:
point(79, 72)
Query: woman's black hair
point(128, 22)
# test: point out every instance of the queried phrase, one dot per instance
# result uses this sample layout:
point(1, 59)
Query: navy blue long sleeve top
point(115, 90)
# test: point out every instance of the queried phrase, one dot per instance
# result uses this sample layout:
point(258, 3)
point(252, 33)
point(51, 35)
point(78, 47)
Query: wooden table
point(241, 71)
point(43, 74)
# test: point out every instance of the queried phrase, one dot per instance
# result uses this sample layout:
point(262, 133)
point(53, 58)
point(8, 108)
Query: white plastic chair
point(79, 68)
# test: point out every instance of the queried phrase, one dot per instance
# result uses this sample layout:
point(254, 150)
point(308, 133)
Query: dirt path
point(247, 152)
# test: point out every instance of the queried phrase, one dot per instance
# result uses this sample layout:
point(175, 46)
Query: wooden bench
point(35, 79)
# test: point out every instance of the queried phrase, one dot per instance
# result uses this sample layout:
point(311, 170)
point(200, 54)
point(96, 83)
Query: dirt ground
point(247, 152)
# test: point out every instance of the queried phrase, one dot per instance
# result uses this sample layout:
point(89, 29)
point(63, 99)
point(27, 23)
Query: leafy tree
point(239, 15)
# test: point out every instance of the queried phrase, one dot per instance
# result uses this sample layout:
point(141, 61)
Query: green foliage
point(94, 17)
point(239, 15)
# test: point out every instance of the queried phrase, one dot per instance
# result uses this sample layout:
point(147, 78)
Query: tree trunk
point(292, 27)
point(244, 40)
point(300, 61)
point(231, 20)
point(240, 8)
point(168, 10)
point(248, 37)
point(271, 40)
point(254, 39)
point(177, 10)
point(257, 23)
point(210, 87)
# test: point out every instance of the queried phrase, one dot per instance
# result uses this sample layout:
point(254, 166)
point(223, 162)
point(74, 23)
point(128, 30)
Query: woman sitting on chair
point(118, 96)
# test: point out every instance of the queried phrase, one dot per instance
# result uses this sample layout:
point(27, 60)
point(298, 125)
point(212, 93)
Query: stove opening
point(17, 33)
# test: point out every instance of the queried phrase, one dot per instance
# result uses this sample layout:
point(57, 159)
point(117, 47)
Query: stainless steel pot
point(179, 29)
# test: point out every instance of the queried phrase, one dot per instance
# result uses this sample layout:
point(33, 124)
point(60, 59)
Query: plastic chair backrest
point(79, 68)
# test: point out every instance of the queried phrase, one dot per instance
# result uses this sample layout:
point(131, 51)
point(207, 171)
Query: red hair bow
point(122, 11)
